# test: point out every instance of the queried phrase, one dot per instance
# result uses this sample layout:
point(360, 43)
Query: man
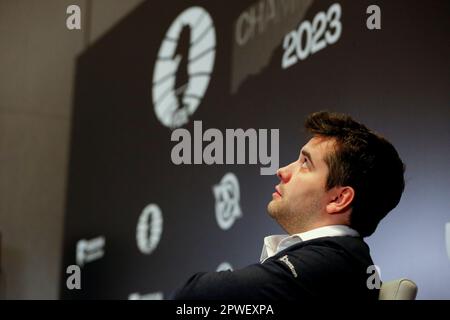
point(346, 179)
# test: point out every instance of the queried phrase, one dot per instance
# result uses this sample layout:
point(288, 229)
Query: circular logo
point(182, 71)
point(149, 228)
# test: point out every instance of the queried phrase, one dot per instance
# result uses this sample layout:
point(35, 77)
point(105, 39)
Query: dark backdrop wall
point(139, 225)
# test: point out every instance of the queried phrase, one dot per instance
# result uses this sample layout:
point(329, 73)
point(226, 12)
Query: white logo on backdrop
point(89, 250)
point(182, 71)
point(224, 266)
point(227, 196)
point(148, 296)
point(149, 228)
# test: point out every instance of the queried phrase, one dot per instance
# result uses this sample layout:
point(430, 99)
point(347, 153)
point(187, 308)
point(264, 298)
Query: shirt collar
point(276, 243)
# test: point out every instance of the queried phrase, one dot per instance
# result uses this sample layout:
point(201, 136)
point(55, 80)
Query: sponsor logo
point(149, 228)
point(227, 196)
point(89, 250)
point(289, 264)
point(148, 296)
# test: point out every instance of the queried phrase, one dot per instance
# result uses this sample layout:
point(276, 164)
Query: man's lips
point(277, 189)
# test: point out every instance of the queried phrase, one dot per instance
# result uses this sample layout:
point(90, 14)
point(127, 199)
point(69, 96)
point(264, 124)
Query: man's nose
point(283, 174)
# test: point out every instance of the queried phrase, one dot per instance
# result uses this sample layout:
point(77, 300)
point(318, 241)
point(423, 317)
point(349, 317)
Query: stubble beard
point(293, 222)
point(273, 208)
point(280, 213)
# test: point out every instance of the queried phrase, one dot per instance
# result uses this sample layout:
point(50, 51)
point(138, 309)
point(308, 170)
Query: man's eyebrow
point(308, 155)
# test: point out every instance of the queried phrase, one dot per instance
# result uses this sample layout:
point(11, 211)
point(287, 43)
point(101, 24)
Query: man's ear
point(340, 199)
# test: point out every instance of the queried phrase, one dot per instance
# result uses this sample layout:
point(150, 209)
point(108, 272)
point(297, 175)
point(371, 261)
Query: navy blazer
point(327, 267)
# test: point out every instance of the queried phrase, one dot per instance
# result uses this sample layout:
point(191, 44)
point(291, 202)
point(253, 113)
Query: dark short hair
point(365, 161)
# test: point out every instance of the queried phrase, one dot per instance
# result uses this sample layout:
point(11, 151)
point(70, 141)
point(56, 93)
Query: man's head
point(346, 174)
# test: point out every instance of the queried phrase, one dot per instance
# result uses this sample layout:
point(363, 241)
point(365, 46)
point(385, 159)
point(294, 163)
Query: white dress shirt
point(276, 243)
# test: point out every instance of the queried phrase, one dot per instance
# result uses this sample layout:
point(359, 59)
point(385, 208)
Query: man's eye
point(304, 163)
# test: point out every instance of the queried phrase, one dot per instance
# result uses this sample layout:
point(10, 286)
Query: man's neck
point(313, 226)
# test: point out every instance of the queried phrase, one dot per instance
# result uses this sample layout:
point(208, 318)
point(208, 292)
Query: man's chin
point(273, 208)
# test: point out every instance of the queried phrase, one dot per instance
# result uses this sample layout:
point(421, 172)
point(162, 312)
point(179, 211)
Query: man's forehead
point(319, 145)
